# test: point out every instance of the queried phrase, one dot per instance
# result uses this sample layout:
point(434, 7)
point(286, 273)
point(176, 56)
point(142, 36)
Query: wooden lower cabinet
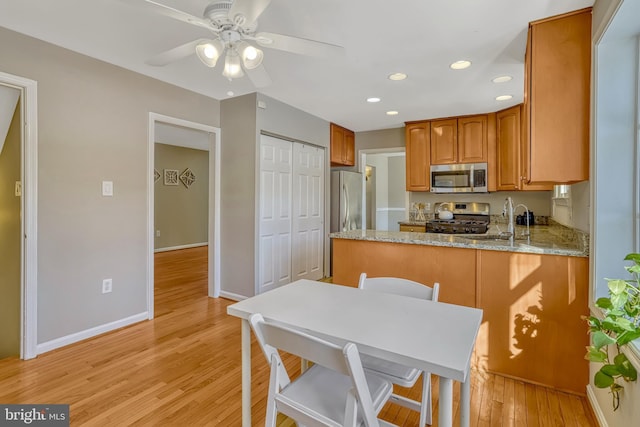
point(453, 268)
point(532, 327)
point(532, 304)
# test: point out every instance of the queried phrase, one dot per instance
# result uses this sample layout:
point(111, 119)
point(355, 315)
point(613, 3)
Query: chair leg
point(272, 412)
point(425, 407)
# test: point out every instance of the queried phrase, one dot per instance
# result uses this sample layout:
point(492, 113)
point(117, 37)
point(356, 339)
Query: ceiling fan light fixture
point(232, 66)
point(251, 57)
point(209, 52)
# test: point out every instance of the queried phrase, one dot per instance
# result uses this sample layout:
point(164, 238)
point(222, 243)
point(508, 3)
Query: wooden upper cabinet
point(509, 152)
point(558, 75)
point(508, 148)
point(472, 139)
point(342, 146)
point(459, 140)
point(349, 147)
point(444, 141)
point(417, 141)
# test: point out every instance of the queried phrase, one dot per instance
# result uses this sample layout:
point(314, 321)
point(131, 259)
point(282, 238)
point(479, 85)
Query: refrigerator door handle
point(345, 191)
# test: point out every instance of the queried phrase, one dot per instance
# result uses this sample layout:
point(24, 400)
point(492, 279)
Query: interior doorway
point(20, 189)
point(385, 197)
point(164, 129)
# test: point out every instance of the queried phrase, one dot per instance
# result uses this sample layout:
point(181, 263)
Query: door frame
point(362, 169)
point(213, 280)
point(29, 223)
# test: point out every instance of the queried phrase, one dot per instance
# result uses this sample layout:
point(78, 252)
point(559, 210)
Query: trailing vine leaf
point(633, 257)
point(625, 368)
point(595, 355)
point(602, 380)
point(600, 339)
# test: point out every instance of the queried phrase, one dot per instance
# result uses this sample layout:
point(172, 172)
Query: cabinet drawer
point(414, 228)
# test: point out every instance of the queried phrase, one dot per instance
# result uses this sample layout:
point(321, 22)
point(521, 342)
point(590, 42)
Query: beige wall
point(92, 126)
point(10, 241)
point(181, 213)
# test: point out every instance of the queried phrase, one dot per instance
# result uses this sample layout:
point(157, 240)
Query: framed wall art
point(187, 177)
point(171, 177)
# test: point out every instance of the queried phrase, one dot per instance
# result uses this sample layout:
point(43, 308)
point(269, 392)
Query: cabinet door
point(444, 141)
point(337, 145)
point(508, 148)
point(532, 327)
point(472, 139)
point(349, 148)
point(559, 90)
point(417, 156)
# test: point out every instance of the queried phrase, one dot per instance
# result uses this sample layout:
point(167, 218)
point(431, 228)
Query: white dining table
point(432, 336)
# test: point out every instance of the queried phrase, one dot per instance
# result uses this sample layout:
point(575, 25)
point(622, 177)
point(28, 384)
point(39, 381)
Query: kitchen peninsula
point(533, 291)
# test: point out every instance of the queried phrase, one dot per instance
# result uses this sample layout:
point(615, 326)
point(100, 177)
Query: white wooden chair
point(335, 391)
point(401, 375)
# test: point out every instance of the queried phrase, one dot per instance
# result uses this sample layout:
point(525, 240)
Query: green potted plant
point(619, 326)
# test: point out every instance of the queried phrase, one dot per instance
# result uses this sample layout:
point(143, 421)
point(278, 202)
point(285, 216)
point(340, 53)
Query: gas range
point(468, 218)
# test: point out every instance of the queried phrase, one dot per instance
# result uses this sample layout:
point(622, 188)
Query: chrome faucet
point(508, 210)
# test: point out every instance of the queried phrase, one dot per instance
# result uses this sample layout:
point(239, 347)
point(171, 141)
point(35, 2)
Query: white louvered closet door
point(308, 212)
point(275, 213)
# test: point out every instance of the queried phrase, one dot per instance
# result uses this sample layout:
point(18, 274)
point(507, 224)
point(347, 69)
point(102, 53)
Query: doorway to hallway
point(386, 200)
point(169, 131)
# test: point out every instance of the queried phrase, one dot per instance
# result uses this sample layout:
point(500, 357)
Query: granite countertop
point(553, 239)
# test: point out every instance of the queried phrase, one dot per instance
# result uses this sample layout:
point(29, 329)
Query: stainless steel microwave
point(459, 178)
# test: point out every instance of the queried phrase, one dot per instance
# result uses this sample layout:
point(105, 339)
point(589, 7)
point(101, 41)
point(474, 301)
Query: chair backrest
point(345, 360)
point(398, 286)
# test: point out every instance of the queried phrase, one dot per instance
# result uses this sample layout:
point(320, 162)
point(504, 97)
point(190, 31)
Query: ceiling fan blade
point(172, 13)
point(298, 45)
point(174, 54)
point(259, 76)
point(249, 10)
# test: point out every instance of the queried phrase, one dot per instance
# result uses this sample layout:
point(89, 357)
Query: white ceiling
point(418, 37)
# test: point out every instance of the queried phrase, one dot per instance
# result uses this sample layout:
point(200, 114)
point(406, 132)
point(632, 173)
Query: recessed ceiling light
point(502, 79)
point(392, 113)
point(230, 93)
point(503, 97)
point(460, 65)
point(373, 99)
point(397, 76)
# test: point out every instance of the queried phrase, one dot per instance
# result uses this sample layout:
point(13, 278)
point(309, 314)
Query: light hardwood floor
point(183, 368)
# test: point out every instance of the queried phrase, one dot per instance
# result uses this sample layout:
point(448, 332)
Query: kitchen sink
point(495, 237)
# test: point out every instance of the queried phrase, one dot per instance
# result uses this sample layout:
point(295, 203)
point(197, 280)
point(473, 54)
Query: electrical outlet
point(107, 285)
point(427, 207)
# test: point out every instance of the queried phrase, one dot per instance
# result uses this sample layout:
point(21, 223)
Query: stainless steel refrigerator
point(346, 201)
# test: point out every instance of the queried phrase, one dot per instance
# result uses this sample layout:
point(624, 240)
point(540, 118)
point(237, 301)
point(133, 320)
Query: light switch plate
point(18, 189)
point(107, 188)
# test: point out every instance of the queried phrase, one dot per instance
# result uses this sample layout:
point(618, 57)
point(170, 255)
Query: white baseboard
point(175, 248)
point(90, 333)
point(232, 296)
point(593, 401)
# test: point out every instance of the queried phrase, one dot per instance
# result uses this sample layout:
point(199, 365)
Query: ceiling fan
point(233, 24)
